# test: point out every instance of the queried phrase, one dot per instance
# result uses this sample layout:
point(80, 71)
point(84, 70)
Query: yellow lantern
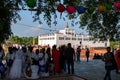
point(101, 8)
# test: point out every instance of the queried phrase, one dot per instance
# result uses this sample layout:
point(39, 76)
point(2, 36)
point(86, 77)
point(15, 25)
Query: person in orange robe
point(56, 59)
point(117, 58)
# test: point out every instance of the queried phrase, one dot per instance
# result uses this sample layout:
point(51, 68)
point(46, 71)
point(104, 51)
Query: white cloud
point(33, 31)
point(36, 28)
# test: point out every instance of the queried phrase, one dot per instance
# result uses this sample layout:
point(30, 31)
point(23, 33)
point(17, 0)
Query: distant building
point(65, 36)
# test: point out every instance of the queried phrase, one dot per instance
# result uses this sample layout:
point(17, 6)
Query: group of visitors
point(63, 57)
point(78, 53)
point(97, 56)
point(23, 62)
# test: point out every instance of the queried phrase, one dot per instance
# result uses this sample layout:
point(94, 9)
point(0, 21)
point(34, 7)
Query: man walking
point(109, 60)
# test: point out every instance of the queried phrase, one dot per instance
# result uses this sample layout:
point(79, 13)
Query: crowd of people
point(23, 62)
point(30, 63)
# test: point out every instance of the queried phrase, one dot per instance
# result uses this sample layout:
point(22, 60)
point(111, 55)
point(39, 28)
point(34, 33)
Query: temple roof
point(67, 25)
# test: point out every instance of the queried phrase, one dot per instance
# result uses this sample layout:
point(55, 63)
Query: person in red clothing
point(117, 58)
point(56, 59)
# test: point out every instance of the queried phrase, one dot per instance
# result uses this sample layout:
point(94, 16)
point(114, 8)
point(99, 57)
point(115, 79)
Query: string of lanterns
point(80, 9)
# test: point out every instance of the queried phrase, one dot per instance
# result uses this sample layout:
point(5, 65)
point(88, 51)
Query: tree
point(7, 16)
point(99, 24)
point(23, 40)
point(15, 39)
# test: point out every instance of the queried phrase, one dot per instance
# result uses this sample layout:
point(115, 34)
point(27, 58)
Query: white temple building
point(65, 36)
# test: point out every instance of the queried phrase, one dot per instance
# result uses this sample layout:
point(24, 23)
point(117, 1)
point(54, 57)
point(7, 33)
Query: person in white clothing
point(16, 69)
point(34, 66)
point(9, 60)
point(24, 59)
point(42, 63)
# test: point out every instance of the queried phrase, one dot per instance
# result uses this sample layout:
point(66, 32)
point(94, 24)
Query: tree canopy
point(23, 40)
point(101, 23)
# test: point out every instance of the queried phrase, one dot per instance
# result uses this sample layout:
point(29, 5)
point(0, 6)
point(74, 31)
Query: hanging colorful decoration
point(70, 9)
point(90, 10)
point(81, 9)
point(31, 3)
point(101, 8)
point(61, 8)
point(117, 5)
point(108, 6)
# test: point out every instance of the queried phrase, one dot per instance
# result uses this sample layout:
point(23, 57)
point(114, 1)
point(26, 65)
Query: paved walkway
point(93, 70)
point(63, 77)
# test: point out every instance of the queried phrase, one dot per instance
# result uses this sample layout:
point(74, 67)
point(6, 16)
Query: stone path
point(93, 70)
point(64, 77)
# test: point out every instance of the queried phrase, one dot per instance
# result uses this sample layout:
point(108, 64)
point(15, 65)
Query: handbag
point(28, 71)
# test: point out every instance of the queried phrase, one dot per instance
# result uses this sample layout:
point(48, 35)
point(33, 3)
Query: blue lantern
point(81, 9)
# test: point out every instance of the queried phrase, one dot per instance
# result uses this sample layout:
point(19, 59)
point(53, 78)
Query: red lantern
point(61, 8)
point(70, 9)
point(117, 5)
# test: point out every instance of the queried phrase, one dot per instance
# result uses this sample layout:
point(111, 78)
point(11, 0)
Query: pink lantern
point(70, 9)
point(117, 5)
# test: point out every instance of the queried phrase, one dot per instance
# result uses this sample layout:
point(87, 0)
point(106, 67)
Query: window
point(61, 38)
point(67, 38)
point(79, 38)
point(85, 39)
point(73, 38)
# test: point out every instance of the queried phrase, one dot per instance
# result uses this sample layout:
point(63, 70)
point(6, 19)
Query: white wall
point(75, 43)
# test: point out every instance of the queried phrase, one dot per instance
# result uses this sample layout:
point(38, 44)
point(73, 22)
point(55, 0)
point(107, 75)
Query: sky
point(27, 28)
